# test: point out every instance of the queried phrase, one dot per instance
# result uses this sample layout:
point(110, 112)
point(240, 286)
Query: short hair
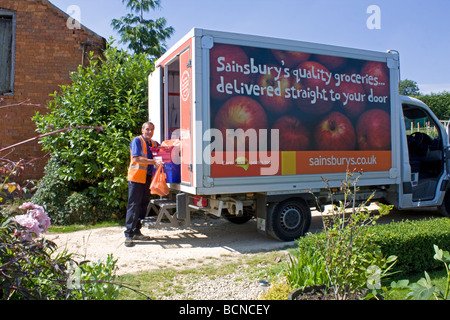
point(148, 123)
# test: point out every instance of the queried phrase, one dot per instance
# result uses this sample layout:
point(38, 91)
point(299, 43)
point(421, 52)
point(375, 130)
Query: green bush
point(51, 193)
point(412, 242)
point(65, 202)
point(438, 102)
point(110, 93)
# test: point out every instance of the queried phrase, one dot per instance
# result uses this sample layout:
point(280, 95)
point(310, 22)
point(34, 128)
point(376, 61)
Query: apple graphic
point(373, 130)
point(274, 100)
point(240, 112)
point(330, 62)
point(290, 58)
point(294, 136)
point(353, 98)
point(313, 82)
point(335, 132)
point(380, 71)
point(225, 58)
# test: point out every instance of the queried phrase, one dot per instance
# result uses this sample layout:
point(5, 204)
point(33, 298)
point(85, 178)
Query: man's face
point(147, 131)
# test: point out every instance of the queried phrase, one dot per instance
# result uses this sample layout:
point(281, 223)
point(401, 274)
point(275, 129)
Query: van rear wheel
point(289, 220)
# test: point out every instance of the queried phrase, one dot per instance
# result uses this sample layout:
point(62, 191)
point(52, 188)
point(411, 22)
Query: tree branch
point(23, 103)
point(98, 129)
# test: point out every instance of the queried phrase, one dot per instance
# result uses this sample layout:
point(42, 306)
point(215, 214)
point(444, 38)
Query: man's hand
point(157, 163)
point(146, 161)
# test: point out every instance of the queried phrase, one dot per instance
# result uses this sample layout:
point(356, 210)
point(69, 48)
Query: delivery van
point(258, 127)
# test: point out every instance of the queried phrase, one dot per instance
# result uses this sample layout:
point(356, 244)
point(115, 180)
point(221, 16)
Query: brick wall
point(46, 51)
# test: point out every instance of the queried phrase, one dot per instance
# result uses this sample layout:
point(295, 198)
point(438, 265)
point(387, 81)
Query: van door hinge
point(189, 64)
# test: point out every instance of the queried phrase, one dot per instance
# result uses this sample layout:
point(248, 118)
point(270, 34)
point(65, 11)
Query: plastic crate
point(173, 172)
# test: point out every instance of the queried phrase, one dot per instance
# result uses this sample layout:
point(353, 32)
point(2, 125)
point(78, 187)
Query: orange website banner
point(232, 164)
point(320, 162)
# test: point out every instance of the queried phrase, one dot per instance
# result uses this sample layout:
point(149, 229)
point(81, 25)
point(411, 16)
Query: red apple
point(274, 100)
point(331, 62)
point(373, 130)
point(335, 132)
point(224, 62)
point(240, 112)
point(290, 58)
point(353, 98)
point(313, 80)
point(294, 136)
point(380, 77)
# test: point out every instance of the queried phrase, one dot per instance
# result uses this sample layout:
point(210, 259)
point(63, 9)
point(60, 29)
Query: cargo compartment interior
point(172, 82)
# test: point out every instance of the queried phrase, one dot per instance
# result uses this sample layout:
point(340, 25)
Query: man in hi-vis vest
point(139, 179)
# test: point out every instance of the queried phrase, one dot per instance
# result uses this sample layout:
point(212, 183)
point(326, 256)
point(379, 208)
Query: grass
point(81, 227)
point(164, 283)
point(167, 282)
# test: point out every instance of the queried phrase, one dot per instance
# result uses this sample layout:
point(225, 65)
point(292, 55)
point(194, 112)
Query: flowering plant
point(35, 221)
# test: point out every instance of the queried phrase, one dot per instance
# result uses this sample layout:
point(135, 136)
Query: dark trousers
point(138, 199)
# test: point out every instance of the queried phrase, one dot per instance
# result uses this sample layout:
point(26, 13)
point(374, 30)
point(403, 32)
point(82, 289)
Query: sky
point(419, 30)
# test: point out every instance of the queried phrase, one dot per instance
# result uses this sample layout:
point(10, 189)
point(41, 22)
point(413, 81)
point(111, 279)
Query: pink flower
point(31, 225)
point(41, 216)
point(36, 221)
point(29, 205)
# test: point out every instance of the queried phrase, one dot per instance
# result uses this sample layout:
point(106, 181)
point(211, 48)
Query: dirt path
point(169, 247)
point(182, 248)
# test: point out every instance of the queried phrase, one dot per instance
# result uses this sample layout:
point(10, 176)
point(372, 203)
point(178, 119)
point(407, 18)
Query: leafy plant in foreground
point(424, 289)
point(343, 256)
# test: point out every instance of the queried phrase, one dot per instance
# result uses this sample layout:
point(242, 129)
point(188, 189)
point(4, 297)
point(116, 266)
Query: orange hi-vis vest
point(138, 172)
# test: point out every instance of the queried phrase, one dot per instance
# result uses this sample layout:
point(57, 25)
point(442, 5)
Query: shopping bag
point(159, 185)
point(171, 143)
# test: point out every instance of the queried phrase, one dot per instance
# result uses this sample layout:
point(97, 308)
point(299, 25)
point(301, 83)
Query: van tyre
point(289, 220)
point(444, 209)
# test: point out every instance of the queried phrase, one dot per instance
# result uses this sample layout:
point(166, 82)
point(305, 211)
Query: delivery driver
point(139, 178)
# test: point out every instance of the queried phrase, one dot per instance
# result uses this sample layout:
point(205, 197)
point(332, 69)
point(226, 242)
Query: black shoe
point(129, 242)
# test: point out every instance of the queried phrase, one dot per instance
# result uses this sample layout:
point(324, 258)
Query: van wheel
point(289, 220)
point(444, 209)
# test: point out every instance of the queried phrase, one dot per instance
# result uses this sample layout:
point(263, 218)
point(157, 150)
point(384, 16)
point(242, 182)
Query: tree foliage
point(112, 93)
point(439, 103)
point(408, 88)
point(143, 35)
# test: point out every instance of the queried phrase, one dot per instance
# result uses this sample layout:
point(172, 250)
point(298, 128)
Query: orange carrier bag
point(159, 185)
